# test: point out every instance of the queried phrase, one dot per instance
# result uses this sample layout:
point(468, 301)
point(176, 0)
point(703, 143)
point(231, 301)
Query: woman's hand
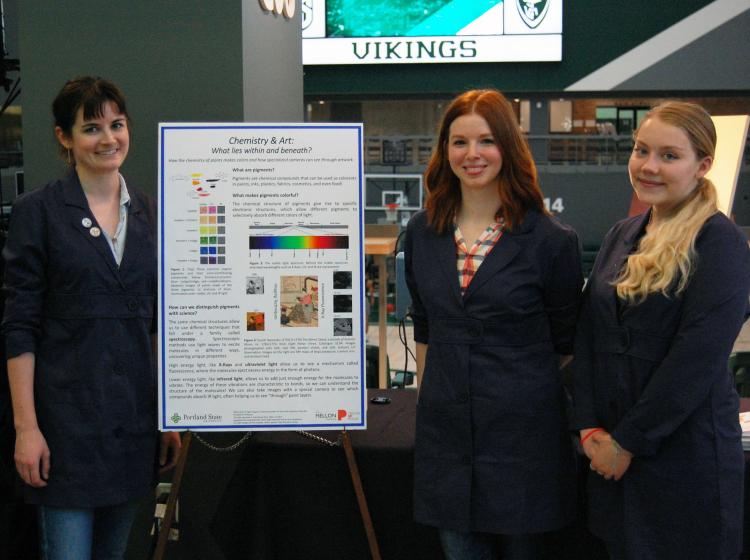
point(32, 457)
point(588, 443)
point(609, 459)
point(32, 453)
point(169, 450)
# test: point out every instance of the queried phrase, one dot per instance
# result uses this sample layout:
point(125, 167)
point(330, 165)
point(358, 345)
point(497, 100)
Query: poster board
point(261, 310)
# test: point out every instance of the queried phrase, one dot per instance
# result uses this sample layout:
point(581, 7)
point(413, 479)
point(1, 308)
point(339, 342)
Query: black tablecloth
point(291, 497)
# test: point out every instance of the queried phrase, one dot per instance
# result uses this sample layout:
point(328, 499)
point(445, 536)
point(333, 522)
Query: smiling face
point(99, 145)
point(664, 167)
point(473, 154)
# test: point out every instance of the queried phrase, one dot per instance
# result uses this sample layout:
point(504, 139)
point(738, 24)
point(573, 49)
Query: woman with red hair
point(495, 284)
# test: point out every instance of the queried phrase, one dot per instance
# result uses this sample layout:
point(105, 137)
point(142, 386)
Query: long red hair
point(518, 187)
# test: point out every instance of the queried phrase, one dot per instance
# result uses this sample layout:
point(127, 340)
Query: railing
point(580, 149)
point(10, 158)
point(11, 161)
point(398, 150)
point(414, 151)
point(548, 149)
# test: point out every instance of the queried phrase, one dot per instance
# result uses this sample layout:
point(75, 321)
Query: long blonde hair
point(666, 254)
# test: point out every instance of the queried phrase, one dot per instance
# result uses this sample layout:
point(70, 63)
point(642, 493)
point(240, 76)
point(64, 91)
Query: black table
point(291, 497)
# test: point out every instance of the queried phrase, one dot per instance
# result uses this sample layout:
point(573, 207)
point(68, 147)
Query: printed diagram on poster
point(261, 310)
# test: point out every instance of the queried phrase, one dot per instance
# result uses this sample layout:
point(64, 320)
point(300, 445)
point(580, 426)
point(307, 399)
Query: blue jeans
point(487, 546)
point(85, 534)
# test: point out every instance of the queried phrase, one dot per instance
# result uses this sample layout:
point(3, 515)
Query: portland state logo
point(176, 418)
point(533, 11)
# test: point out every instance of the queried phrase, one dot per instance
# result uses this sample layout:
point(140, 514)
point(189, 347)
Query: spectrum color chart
point(299, 242)
point(212, 234)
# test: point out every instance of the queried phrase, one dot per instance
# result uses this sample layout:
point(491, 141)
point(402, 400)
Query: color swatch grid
point(212, 234)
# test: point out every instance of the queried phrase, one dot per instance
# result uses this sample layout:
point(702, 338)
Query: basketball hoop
point(391, 212)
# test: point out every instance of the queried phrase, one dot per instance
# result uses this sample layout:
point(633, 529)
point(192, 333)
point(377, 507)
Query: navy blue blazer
point(492, 451)
point(89, 324)
point(655, 375)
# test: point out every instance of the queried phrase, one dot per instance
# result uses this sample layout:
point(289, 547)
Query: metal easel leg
point(361, 499)
point(161, 543)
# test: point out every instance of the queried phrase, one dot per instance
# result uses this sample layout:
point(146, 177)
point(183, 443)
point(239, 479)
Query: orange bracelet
point(591, 433)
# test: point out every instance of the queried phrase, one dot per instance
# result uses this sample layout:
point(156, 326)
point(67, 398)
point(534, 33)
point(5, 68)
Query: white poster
point(260, 277)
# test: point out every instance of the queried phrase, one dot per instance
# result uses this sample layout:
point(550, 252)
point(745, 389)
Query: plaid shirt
point(469, 259)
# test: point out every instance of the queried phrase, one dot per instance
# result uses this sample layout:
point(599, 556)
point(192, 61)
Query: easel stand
point(364, 511)
point(166, 525)
point(372, 541)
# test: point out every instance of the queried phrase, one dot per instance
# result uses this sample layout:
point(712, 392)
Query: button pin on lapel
point(95, 231)
point(86, 222)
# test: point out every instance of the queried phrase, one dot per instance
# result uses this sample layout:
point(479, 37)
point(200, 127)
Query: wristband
point(591, 433)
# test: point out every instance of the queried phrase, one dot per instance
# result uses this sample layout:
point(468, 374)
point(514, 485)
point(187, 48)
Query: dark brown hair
point(518, 187)
point(87, 92)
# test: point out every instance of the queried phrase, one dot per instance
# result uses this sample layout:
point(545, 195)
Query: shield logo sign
point(307, 14)
point(532, 11)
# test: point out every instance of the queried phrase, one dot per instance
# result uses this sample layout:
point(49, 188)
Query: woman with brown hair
point(495, 285)
point(80, 281)
point(654, 400)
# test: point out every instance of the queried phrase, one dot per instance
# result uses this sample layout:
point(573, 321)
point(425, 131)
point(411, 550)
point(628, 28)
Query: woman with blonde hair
point(654, 401)
point(495, 284)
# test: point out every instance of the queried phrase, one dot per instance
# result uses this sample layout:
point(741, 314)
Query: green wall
point(176, 60)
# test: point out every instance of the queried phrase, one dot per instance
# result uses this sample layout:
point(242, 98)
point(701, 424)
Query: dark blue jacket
point(655, 375)
point(89, 326)
point(492, 449)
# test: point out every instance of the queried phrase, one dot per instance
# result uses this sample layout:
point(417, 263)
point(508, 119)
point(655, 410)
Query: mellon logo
point(339, 415)
point(532, 11)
